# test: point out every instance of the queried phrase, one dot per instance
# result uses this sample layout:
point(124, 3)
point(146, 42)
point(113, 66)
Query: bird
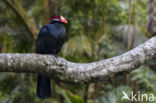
point(51, 38)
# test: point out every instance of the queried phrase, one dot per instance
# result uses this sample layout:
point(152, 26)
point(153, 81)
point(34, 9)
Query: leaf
point(68, 96)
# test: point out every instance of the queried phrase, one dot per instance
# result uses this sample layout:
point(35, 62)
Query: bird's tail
point(43, 87)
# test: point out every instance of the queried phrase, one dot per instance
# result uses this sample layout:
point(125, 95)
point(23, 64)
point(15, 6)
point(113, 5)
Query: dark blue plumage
point(50, 40)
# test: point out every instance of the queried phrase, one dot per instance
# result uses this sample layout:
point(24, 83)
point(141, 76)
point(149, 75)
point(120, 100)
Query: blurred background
point(97, 29)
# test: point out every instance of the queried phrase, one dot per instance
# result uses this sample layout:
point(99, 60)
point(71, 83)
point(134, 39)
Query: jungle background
point(97, 29)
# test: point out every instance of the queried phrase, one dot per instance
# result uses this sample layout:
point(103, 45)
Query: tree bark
point(63, 70)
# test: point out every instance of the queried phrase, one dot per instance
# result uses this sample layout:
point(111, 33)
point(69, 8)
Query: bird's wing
point(50, 39)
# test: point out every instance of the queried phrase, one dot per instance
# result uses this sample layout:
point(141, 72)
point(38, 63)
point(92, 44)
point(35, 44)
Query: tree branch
point(61, 69)
point(21, 13)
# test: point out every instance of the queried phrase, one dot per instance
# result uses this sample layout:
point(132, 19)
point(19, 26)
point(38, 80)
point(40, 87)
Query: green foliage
point(114, 96)
point(77, 45)
point(144, 76)
point(68, 96)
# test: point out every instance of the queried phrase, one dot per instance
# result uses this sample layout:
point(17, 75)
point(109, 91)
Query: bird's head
point(59, 18)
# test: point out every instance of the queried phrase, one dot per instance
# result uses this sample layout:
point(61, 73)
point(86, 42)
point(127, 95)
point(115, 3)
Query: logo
point(138, 96)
